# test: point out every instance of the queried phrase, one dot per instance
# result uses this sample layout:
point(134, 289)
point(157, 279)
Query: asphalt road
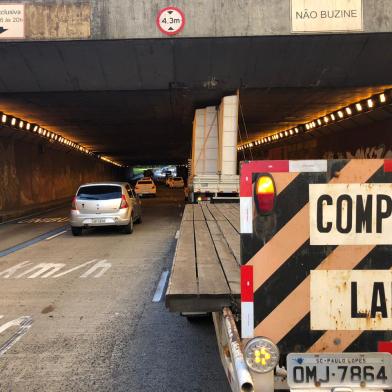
point(76, 313)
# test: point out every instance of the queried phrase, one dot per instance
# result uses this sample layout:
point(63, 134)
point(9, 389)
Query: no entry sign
point(170, 20)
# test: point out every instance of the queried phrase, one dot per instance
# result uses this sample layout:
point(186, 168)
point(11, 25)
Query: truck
point(213, 165)
point(297, 277)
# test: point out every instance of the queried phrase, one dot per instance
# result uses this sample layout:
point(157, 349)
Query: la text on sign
point(351, 300)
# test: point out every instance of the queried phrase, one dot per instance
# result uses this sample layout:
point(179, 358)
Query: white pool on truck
point(214, 152)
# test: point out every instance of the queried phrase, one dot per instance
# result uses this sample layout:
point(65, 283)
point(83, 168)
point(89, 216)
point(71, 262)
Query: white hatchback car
point(146, 186)
point(105, 204)
point(177, 182)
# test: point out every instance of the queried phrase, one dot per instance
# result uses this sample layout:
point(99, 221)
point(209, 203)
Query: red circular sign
point(170, 20)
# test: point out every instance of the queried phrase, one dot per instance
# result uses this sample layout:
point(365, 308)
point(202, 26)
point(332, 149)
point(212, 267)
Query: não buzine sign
point(350, 214)
point(309, 16)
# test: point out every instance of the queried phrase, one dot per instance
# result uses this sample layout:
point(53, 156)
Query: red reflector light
point(73, 204)
point(265, 194)
point(388, 165)
point(385, 347)
point(124, 203)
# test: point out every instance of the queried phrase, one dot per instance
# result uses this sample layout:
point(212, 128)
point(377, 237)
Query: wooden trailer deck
point(205, 275)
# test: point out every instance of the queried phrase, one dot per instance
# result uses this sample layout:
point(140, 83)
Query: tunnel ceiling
point(133, 100)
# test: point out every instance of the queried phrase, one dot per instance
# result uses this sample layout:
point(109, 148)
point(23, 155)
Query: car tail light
point(124, 203)
point(265, 194)
point(73, 204)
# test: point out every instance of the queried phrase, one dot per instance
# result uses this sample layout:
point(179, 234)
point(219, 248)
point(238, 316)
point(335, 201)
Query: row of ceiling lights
point(17, 123)
point(338, 115)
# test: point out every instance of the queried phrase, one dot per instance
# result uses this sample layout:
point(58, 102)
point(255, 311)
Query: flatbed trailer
point(205, 278)
point(206, 270)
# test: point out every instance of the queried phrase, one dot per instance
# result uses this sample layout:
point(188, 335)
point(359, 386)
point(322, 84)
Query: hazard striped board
point(316, 243)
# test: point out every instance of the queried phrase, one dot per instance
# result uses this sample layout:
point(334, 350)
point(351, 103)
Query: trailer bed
point(205, 274)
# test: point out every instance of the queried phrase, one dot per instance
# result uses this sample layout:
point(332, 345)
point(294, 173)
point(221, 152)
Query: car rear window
point(99, 192)
point(145, 182)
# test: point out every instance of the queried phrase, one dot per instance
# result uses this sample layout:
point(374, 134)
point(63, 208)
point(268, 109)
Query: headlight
point(261, 355)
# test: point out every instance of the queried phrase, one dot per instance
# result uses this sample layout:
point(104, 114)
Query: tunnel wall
point(35, 175)
point(370, 142)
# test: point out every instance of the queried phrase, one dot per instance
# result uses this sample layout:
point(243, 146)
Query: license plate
point(343, 369)
point(99, 220)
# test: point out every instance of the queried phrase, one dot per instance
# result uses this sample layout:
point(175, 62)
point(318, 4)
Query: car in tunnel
point(146, 186)
point(177, 182)
point(105, 204)
point(168, 181)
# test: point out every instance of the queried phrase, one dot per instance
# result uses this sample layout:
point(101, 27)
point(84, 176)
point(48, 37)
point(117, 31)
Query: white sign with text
point(318, 16)
point(351, 300)
point(12, 24)
point(350, 214)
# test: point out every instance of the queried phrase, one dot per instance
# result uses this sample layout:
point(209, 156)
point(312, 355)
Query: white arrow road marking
point(24, 324)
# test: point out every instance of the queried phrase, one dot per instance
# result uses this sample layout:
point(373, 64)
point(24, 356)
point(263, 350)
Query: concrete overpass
point(102, 74)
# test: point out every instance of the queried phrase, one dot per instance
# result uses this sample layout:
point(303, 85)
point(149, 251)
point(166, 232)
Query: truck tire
point(76, 231)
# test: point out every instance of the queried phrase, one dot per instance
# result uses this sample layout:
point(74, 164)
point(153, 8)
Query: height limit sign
point(170, 20)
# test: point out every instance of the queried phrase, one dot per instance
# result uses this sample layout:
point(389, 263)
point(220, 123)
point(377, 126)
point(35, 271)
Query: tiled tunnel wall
point(36, 174)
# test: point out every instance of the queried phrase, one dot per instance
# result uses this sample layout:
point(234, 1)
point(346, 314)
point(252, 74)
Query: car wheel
point(128, 229)
point(76, 231)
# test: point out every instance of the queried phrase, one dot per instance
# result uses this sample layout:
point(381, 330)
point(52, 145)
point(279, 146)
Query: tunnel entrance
point(132, 101)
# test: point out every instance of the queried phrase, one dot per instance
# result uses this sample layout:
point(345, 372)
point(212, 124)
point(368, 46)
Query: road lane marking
point(51, 270)
point(10, 271)
point(35, 240)
point(55, 235)
point(24, 324)
point(161, 286)
point(101, 264)
point(44, 269)
point(75, 268)
point(177, 234)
